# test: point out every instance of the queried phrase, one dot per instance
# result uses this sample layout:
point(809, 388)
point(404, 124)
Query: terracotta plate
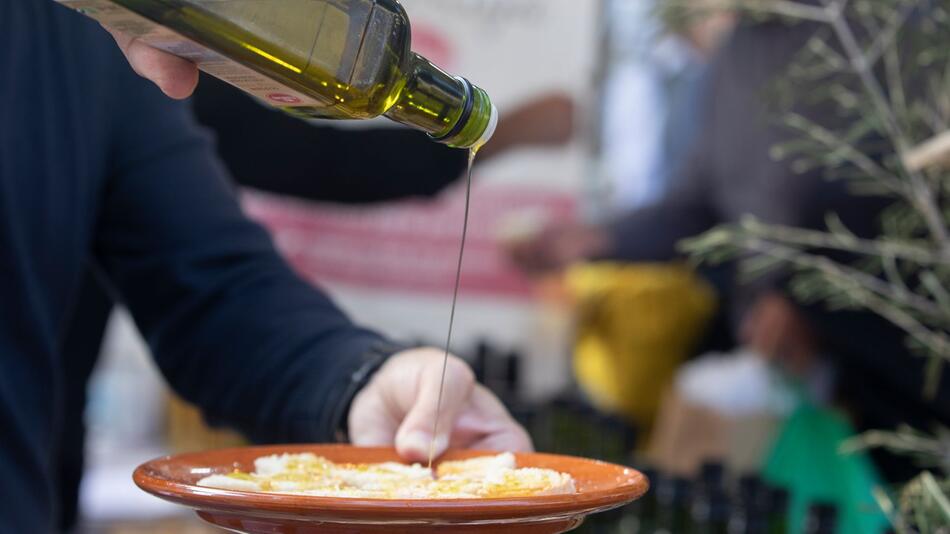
point(600, 486)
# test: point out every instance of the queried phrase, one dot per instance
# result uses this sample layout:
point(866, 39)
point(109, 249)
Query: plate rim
point(149, 478)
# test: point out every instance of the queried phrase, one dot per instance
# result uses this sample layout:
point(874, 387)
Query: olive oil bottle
point(333, 59)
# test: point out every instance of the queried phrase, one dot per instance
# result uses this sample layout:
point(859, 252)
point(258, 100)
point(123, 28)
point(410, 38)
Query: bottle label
point(248, 80)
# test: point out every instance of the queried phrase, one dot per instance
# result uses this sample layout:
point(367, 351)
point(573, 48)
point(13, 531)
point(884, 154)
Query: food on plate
point(483, 477)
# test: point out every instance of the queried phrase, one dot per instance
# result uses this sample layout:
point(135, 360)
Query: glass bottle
point(750, 515)
point(640, 516)
point(712, 475)
point(778, 505)
point(674, 496)
point(822, 518)
point(709, 506)
point(710, 513)
point(333, 59)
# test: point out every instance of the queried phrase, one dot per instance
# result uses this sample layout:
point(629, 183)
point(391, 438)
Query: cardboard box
point(687, 434)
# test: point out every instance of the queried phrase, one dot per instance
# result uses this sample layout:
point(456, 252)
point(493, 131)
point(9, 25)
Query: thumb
point(175, 76)
point(414, 437)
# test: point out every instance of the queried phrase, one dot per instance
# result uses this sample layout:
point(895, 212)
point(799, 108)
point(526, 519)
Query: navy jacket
point(284, 156)
point(99, 172)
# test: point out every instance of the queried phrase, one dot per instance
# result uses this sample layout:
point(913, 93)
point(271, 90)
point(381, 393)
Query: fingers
point(490, 426)
point(371, 422)
point(121, 39)
point(401, 402)
point(557, 247)
point(548, 120)
point(176, 77)
point(513, 440)
point(414, 437)
point(528, 255)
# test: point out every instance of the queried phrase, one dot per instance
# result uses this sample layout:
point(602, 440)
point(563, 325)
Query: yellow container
point(188, 432)
point(636, 324)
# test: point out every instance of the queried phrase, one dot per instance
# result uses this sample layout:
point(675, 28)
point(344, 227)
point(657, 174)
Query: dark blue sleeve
point(233, 329)
point(652, 233)
point(288, 156)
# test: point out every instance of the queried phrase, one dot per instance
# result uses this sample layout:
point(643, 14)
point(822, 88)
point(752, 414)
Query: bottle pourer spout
point(489, 130)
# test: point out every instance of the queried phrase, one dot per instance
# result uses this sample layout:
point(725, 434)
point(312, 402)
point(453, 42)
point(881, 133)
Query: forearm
point(231, 326)
point(652, 233)
point(237, 333)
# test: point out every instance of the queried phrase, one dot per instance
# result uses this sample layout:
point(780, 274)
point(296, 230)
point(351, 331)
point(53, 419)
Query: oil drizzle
point(455, 296)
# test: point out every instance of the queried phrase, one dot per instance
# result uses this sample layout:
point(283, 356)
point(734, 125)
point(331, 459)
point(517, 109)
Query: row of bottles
point(709, 504)
point(566, 424)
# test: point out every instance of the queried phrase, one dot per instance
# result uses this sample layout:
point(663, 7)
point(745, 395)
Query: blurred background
point(575, 307)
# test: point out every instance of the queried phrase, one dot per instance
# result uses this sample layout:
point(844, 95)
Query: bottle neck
point(451, 110)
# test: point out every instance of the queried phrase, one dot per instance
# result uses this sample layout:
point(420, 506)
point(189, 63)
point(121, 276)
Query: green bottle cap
point(478, 120)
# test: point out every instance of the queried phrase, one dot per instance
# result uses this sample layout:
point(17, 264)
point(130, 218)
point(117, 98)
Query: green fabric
point(806, 460)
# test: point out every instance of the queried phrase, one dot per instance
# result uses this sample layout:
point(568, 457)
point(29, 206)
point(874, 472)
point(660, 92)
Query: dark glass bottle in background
point(513, 372)
point(674, 496)
point(640, 516)
point(778, 510)
point(750, 512)
point(822, 518)
point(709, 509)
point(481, 363)
point(616, 438)
point(710, 513)
point(712, 477)
point(500, 372)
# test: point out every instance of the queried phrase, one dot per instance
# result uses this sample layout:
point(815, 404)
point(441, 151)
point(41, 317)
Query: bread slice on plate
point(483, 477)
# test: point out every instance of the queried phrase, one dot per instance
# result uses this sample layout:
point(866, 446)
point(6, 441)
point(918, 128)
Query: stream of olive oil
point(455, 297)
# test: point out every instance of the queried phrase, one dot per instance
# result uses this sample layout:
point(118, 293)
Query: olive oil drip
point(455, 296)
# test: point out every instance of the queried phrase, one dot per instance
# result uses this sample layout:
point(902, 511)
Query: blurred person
point(657, 67)
point(730, 174)
point(100, 173)
point(289, 156)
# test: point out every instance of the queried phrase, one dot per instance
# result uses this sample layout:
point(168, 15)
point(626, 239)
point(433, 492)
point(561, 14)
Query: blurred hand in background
point(557, 247)
point(545, 121)
point(775, 328)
